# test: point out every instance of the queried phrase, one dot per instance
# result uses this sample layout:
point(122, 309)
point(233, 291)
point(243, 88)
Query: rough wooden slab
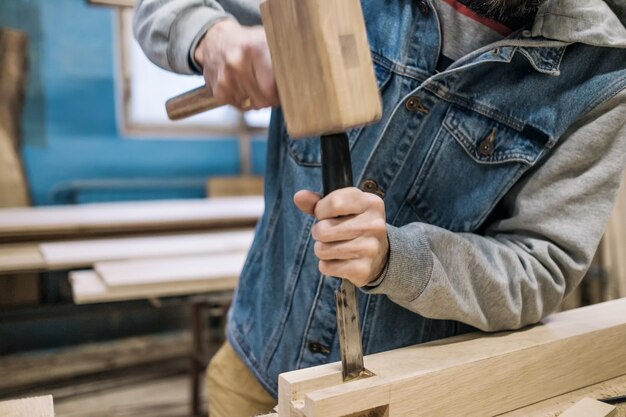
point(21, 258)
point(44, 223)
point(588, 407)
point(463, 375)
point(28, 407)
point(82, 253)
point(141, 279)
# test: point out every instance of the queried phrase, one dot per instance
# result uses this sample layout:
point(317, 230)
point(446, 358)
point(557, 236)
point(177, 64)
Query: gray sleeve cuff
point(410, 264)
point(186, 31)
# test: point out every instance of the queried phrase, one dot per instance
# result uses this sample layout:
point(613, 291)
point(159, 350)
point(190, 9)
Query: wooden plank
point(28, 407)
point(235, 186)
point(220, 270)
point(486, 374)
point(21, 258)
point(25, 369)
point(588, 407)
point(55, 222)
point(139, 279)
point(555, 406)
point(82, 253)
point(14, 67)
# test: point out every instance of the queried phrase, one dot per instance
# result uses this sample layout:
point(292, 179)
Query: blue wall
point(70, 131)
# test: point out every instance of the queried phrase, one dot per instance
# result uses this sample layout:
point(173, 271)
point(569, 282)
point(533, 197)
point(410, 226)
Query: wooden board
point(13, 76)
point(235, 186)
point(21, 258)
point(89, 358)
point(44, 223)
point(331, 87)
point(174, 271)
point(145, 279)
point(82, 253)
point(588, 407)
point(553, 407)
point(28, 407)
point(470, 375)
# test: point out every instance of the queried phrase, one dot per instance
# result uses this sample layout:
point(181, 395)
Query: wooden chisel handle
point(191, 103)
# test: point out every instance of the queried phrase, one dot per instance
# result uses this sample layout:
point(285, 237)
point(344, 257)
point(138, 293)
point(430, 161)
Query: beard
point(506, 9)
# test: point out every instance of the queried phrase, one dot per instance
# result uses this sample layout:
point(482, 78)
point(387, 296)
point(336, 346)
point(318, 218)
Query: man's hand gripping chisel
point(326, 84)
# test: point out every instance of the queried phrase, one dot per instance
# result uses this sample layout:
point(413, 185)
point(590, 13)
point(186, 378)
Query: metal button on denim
point(413, 103)
point(486, 146)
point(424, 9)
point(315, 347)
point(371, 186)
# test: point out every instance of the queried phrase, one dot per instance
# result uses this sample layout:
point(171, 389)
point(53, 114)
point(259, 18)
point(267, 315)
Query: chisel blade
point(349, 331)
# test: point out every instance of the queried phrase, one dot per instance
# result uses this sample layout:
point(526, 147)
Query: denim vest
point(450, 145)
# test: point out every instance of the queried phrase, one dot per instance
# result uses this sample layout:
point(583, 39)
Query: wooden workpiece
point(28, 407)
point(82, 253)
point(470, 375)
point(64, 222)
point(152, 278)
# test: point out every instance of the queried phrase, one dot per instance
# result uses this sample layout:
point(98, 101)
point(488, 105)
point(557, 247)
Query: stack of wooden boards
point(133, 250)
point(539, 371)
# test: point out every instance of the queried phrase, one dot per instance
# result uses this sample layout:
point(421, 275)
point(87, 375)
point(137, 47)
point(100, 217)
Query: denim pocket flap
point(489, 142)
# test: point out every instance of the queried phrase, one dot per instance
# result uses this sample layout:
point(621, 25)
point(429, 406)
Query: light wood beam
point(471, 375)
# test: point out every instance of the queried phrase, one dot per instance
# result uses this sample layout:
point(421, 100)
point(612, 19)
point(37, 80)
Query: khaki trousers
point(232, 389)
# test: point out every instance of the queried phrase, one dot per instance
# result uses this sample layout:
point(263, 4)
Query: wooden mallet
point(326, 85)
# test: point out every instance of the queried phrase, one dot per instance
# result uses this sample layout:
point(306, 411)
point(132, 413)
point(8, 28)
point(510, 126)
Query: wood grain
point(85, 253)
point(44, 223)
point(588, 407)
point(570, 350)
point(28, 407)
point(145, 279)
point(322, 63)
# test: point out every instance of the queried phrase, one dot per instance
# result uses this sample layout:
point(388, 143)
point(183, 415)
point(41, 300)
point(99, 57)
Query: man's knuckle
point(318, 248)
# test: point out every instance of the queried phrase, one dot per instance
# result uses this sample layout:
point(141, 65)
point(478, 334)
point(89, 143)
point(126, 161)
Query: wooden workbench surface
point(60, 222)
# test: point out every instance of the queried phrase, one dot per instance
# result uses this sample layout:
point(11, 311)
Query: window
point(144, 88)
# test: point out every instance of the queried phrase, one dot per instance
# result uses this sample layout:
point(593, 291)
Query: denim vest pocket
point(306, 151)
point(472, 163)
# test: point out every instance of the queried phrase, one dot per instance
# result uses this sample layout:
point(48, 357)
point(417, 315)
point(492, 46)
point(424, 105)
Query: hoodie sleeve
point(168, 31)
point(522, 266)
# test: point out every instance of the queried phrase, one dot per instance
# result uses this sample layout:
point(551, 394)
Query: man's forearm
point(519, 270)
point(168, 31)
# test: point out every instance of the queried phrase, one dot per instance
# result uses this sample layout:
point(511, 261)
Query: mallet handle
point(191, 103)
